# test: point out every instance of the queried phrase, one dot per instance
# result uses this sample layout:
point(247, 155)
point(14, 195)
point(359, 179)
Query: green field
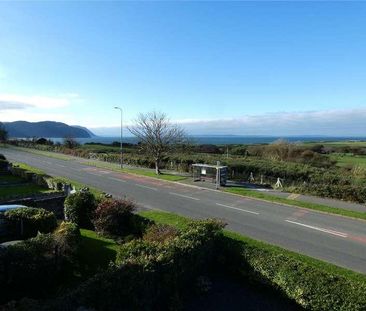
point(347, 160)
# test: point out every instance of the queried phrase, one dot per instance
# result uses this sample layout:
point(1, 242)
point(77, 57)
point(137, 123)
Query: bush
point(68, 237)
point(2, 157)
point(115, 218)
point(149, 275)
point(25, 222)
point(160, 233)
point(300, 279)
point(3, 164)
point(38, 267)
point(79, 208)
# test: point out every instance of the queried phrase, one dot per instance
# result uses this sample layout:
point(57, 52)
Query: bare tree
point(70, 142)
point(158, 136)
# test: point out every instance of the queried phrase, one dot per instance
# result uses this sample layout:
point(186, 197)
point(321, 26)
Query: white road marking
point(239, 209)
point(117, 179)
point(147, 187)
point(59, 165)
point(184, 196)
point(337, 233)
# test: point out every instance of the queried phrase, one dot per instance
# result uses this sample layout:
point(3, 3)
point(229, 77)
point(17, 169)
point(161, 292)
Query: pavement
point(332, 238)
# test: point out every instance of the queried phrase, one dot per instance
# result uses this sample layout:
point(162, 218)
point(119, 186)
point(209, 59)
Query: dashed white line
point(238, 209)
point(184, 196)
point(337, 233)
point(60, 165)
point(117, 179)
point(147, 187)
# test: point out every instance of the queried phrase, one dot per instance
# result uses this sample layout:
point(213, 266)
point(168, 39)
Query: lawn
point(22, 190)
point(96, 252)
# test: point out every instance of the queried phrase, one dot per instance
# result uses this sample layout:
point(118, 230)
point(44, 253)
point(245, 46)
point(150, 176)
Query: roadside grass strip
point(318, 207)
point(312, 283)
point(76, 184)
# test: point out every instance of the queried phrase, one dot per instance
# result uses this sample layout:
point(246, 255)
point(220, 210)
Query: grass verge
point(181, 221)
point(274, 199)
point(76, 184)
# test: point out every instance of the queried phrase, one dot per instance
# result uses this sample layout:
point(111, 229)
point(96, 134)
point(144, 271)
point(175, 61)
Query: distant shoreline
point(227, 139)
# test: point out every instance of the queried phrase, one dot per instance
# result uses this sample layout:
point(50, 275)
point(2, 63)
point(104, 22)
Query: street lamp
point(120, 109)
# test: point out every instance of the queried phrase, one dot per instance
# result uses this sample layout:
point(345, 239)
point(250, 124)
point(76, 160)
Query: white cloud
point(14, 101)
point(326, 122)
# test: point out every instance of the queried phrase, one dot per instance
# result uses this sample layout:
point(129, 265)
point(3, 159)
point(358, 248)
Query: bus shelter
point(213, 173)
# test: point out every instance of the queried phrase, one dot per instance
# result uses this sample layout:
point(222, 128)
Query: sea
point(225, 139)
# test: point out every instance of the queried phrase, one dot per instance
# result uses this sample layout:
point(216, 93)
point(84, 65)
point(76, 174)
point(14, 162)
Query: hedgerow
point(25, 222)
point(311, 286)
point(149, 275)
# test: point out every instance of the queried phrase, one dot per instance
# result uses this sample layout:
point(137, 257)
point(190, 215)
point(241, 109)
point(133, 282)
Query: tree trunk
point(157, 167)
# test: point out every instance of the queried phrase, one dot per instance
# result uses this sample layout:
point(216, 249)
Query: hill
point(47, 129)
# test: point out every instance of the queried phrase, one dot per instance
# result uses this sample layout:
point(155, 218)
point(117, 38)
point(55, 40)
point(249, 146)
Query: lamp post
point(120, 109)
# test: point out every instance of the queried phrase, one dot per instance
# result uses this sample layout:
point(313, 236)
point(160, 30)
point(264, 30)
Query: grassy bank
point(76, 184)
point(274, 199)
point(313, 284)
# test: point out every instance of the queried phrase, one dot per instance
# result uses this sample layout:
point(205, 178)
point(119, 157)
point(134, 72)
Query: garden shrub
point(39, 266)
point(149, 275)
point(160, 233)
point(25, 222)
point(80, 207)
point(3, 165)
point(115, 217)
point(305, 282)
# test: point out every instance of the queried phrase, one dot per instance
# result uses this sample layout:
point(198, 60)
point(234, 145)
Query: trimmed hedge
point(25, 222)
point(308, 284)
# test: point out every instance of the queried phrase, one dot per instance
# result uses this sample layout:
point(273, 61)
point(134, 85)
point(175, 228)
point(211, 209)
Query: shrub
point(149, 275)
point(68, 237)
point(38, 267)
point(300, 279)
point(3, 164)
point(160, 233)
point(79, 208)
point(114, 217)
point(2, 157)
point(25, 222)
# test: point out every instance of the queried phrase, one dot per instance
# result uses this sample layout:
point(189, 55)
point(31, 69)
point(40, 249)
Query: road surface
point(332, 238)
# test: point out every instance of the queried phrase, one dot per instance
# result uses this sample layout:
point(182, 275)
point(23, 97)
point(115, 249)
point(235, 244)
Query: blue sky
point(216, 67)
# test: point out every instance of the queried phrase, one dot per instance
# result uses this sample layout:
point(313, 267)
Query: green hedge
point(313, 286)
point(25, 222)
point(40, 266)
point(149, 275)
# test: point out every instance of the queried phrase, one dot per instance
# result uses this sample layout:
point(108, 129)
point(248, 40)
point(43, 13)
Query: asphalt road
point(332, 238)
